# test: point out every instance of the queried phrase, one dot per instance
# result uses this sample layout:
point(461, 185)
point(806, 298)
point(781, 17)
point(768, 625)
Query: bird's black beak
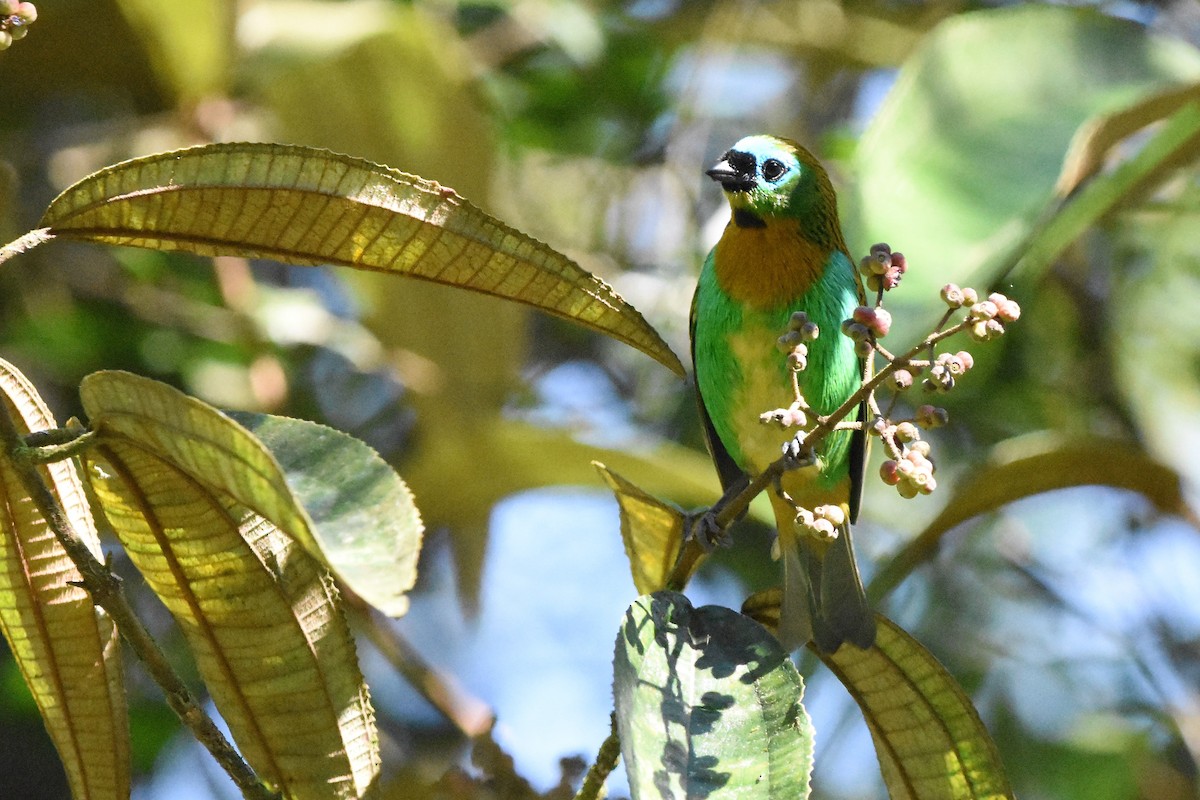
point(735, 172)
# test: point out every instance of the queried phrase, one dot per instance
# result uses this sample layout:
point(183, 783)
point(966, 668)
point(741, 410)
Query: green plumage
point(783, 252)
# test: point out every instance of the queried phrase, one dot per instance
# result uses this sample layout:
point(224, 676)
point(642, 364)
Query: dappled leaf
point(66, 648)
point(929, 738)
point(206, 516)
point(707, 704)
point(1031, 465)
point(651, 530)
point(304, 205)
point(364, 515)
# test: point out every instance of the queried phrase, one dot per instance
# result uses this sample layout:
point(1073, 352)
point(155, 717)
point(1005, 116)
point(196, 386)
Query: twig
point(737, 498)
point(602, 767)
point(466, 712)
point(105, 590)
point(26, 242)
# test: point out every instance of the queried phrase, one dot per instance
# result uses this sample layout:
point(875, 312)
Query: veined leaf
point(308, 206)
point(214, 450)
point(206, 515)
point(365, 518)
point(929, 738)
point(66, 648)
point(651, 529)
point(707, 704)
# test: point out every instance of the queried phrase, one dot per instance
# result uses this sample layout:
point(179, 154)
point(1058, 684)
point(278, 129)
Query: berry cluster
point(794, 344)
point(882, 269)
point(15, 19)
point(908, 466)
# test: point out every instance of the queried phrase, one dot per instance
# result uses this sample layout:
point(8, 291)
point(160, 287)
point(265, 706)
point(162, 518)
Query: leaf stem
point(737, 498)
point(26, 242)
point(105, 590)
point(466, 712)
point(602, 767)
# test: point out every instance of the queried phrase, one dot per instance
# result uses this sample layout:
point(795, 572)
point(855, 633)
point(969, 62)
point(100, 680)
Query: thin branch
point(466, 712)
point(105, 590)
point(24, 243)
point(602, 767)
point(737, 498)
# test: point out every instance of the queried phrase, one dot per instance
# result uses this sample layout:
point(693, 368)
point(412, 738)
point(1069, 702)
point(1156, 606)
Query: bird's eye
point(773, 169)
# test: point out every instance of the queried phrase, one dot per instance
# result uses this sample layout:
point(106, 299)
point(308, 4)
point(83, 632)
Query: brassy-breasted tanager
point(783, 251)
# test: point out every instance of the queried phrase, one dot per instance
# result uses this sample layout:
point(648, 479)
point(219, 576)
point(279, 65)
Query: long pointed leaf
point(259, 614)
point(66, 648)
point(1030, 465)
point(308, 206)
point(929, 738)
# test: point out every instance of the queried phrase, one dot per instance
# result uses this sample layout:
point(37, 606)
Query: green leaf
point(707, 705)
point(189, 44)
point(953, 196)
point(206, 516)
point(364, 516)
point(929, 738)
point(67, 649)
point(1099, 136)
point(308, 206)
point(1030, 465)
point(1177, 142)
point(651, 530)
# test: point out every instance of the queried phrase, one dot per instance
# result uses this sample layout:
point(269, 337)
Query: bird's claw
point(707, 532)
point(795, 454)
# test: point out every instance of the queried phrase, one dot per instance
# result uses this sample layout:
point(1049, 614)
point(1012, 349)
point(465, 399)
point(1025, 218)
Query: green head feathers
point(766, 177)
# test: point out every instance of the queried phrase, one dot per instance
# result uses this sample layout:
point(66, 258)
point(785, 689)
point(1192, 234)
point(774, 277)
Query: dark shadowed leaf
point(708, 705)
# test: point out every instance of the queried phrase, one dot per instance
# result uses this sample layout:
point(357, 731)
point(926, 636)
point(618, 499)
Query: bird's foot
point(707, 531)
point(796, 455)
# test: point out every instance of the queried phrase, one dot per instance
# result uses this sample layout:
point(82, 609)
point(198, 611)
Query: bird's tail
point(823, 597)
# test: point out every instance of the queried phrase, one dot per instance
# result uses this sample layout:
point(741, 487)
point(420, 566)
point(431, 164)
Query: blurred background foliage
point(1073, 617)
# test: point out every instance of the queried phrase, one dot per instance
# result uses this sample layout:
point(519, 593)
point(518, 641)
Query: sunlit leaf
point(651, 530)
point(955, 197)
point(365, 518)
point(1031, 465)
point(309, 206)
point(929, 738)
point(707, 705)
point(206, 516)
point(66, 648)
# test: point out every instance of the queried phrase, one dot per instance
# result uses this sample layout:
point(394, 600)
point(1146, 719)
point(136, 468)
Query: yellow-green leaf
point(651, 529)
point(1030, 465)
point(309, 206)
point(213, 449)
point(260, 614)
point(66, 648)
point(929, 738)
point(1097, 137)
